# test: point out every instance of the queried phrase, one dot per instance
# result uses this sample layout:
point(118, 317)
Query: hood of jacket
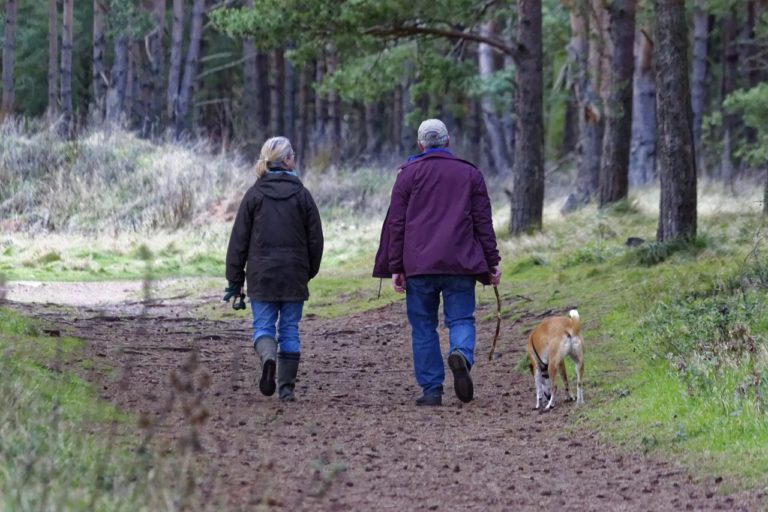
point(279, 186)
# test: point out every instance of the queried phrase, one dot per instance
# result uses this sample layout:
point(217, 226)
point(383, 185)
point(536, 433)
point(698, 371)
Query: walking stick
point(498, 322)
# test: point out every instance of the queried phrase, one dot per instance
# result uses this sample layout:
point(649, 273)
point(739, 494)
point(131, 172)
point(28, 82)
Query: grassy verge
point(61, 447)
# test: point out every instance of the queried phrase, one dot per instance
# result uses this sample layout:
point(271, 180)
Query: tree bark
point(289, 110)
point(118, 79)
point(250, 92)
point(729, 85)
point(642, 160)
point(99, 75)
point(262, 92)
point(699, 70)
point(68, 120)
point(677, 163)
point(174, 68)
point(277, 92)
point(372, 129)
point(584, 53)
point(302, 119)
point(9, 54)
point(334, 108)
point(614, 166)
point(53, 57)
point(527, 195)
point(190, 68)
point(501, 161)
point(156, 66)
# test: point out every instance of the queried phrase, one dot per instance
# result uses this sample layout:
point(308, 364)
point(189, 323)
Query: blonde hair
point(274, 151)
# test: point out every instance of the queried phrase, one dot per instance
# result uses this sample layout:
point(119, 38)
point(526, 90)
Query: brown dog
point(548, 344)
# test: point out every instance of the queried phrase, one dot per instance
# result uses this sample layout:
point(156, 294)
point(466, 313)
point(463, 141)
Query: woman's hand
point(398, 283)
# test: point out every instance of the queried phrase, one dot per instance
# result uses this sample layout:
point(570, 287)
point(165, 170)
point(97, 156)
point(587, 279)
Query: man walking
point(438, 239)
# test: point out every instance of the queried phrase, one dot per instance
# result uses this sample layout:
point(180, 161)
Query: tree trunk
point(527, 195)
point(98, 75)
point(9, 49)
point(642, 160)
point(53, 57)
point(677, 164)
point(118, 79)
point(614, 166)
point(251, 102)
point(156, 61)
point(262, 91)
point(289, 101)
point(397, 119)
point(334, 108)
point(68, 121)
point(174, 67)
point(302, 114)
point(699, 71)
point(729, 85)
point(584, 53)
point(277, 92)
point(190, 68)
point(321, 108)
point(491, 121)
point(373, 131)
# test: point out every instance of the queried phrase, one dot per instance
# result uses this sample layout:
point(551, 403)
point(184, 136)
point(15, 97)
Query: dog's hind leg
point(579, 376)
point(537, 381)
point(568, 395)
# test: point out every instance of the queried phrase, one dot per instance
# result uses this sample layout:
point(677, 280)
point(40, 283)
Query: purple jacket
point(438, 222)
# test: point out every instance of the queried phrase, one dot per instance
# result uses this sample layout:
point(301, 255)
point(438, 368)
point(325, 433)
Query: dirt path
point(354, 440)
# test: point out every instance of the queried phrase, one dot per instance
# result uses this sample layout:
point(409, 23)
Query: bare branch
point(398, 31)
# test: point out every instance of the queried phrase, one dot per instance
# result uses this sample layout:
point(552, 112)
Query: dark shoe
point(430, 400)
point(462, 382)
point(286, 374)
point(267, 384)
point(266, 348)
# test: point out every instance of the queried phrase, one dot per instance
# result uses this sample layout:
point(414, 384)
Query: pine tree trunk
point(99, 45)
point(699, 70)
point(527, 195)
point(302, 112)
point(190, 68)
point(262, 93)
point(397, 119)
point(677, 164)
point(642, 160)
point(9, 54)
point(53, 57)
point(250, 99)
point(118, 79)
point(492, 123)
point(277, 92)
point(156, 67)
point(290, 101)
point(334, 108)
point(68, 121)
point(583, 53)
point(614, 166)
point(321, 108)
point(728, 86)
point(174, 67)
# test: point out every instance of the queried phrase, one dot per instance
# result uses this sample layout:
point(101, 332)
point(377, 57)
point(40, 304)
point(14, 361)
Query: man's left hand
point(398, 283)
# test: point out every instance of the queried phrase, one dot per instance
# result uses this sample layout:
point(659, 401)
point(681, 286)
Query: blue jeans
point(422, 301)
point(265, 318)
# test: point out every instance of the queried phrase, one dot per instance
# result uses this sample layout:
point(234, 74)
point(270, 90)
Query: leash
point(498, 322)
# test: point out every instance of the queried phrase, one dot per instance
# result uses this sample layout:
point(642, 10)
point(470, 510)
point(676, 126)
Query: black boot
point(462, 382)
point(287, 369)
point(266, 348)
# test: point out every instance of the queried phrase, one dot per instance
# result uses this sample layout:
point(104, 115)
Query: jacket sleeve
point(240, 240)
point(483, 222)
point(398, 206)
point(314, 229)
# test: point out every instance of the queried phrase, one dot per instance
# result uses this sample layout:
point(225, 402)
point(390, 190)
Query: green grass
point(61, 447)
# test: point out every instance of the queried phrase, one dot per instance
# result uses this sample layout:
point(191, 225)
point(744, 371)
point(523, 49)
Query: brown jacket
point(276, 241)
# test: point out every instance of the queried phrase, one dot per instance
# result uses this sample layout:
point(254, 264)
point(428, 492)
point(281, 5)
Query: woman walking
point(276, 246)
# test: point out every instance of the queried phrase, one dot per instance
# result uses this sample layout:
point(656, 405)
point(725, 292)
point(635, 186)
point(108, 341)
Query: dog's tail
point(575, 322)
